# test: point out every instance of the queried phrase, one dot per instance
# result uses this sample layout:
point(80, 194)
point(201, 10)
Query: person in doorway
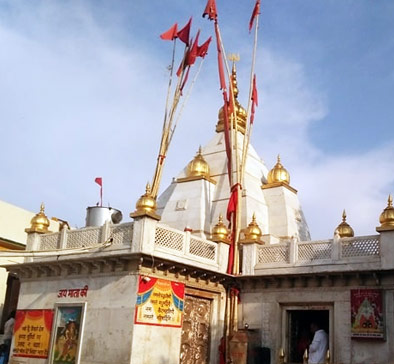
point(8, 332)
point(319, 346)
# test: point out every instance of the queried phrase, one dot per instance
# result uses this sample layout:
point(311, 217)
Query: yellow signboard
point(32, 332)
point(159, 302)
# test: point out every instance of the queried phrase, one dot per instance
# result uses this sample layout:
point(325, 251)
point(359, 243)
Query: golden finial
point(148, 190)
point(146, 205)
point(234, 57)
point(344, 230)
point(252, 234)
point(344, 215)
point(198, 167)
point(39, 223)
point(386, 218)
point(278, 174)
point(240, 112)
point(220, 232)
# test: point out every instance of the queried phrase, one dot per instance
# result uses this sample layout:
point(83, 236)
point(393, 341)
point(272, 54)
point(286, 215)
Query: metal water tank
point(98, 215)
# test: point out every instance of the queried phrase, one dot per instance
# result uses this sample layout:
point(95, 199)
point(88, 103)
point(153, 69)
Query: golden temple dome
point(386, 218)
point(39, 223)
point(220, 232)
point(241, 113)
point(146, 205)
point(344, 230)
point(278, 174)
point(252, 234)
point(198, 167)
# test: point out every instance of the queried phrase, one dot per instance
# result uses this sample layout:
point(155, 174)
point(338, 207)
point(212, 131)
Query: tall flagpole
point(250, 125)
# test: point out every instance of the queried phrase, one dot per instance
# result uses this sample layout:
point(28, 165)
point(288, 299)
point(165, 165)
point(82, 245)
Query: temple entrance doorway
point(298, 334)
point(195, 340)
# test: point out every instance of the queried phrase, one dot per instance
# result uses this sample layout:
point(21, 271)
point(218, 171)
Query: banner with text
point(159, 302)
point(32, 332)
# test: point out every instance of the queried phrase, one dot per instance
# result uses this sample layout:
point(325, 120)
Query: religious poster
point(159, 302)
point(32, 332)
point(67, 334)
point(367, 313)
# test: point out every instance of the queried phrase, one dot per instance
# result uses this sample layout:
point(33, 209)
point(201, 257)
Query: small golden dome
point(387, 216)
point(198, 167)
point(240, 111)
point(146, 205)
point(220, 232)
point(253, 232)
point(278, 174)
point(39, 223)
point(344, 230)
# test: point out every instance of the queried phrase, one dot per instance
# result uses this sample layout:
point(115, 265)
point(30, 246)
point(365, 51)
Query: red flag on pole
point(193, 52)
point(202, 50)
point(171, 33)
point(231, 217)
point(256, 11)
point(184, 33)
point(255, 99)
point(210, 10)
point(99, 181)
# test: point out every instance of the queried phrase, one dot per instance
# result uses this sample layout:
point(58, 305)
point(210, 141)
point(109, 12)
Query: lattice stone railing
point(314, 252)
point(362, 246)
point(178, 243)
point(87, 237)
point(273, 254)
point(50, 241)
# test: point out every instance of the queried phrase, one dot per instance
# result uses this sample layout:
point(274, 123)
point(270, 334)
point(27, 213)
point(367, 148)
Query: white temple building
point(155, 289)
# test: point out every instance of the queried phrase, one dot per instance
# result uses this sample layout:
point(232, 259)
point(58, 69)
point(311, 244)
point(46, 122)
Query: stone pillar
point(223, 250)
point(32, 243)
point(249, 258)
point(63, 238)
point(144, 235)
point(387, 249)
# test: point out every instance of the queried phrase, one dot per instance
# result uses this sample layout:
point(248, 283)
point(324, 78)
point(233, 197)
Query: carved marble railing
point(121, 235)
point(144, 236)
point(176, 242)
point(346, 251)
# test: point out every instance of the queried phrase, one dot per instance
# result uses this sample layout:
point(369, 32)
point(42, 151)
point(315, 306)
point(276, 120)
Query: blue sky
point(82, 92)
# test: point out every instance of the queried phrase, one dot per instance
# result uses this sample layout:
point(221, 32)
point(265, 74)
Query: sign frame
point(58, 308)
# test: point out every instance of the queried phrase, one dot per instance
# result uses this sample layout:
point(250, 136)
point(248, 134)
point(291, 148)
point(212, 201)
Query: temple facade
point(155, 289)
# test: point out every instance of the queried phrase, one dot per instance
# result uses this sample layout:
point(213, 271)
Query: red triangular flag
point(256, 10)
point(99, 181)
point(202, 50)
point(171, 33)
point(255, 100)
point(211, 10)
point(193, 51)
point(184, 33)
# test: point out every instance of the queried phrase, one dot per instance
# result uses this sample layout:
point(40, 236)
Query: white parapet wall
point(358, 253)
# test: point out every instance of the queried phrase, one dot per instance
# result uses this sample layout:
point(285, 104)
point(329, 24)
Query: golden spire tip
point(42, 207)
point(148, 188)
point(344, 215)
point(390, 201)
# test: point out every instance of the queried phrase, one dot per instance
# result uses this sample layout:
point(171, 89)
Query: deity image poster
point(159, 302)
point(67, 333)
point(367, 313)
